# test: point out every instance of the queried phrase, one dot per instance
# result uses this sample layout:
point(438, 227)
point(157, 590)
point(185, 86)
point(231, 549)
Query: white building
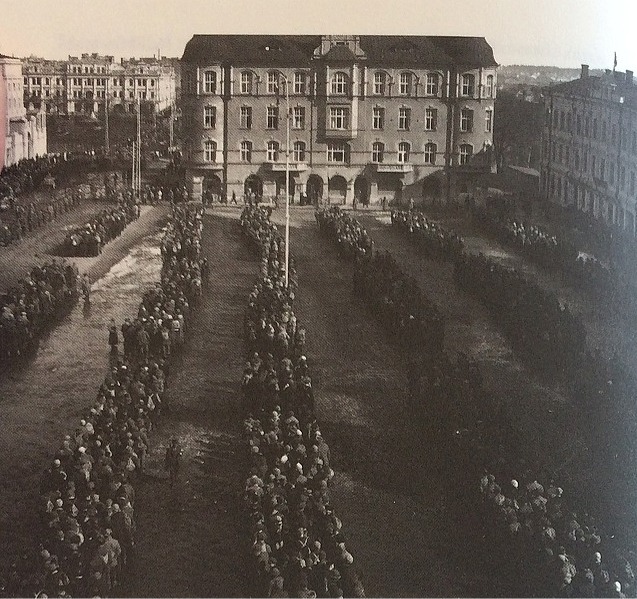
point(22, 131)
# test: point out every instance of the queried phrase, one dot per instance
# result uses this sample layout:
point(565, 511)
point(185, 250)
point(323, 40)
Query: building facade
point(22, 131)
point(589, 146)
point(370, 117)
point(86, 84)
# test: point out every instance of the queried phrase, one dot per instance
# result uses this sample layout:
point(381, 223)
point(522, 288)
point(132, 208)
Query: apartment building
point(589, 146)
point(370, 117)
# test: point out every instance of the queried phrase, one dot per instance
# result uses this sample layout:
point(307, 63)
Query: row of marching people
point(86, 536)
point(295, 539)
point(28, 308)
point(90, 238)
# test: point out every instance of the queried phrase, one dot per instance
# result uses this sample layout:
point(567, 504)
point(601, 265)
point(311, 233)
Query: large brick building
point(84, 84)
point(370, 116)
point(589, 146)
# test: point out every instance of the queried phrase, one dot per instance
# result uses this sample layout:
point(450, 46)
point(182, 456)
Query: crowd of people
point(569, 555)
point(534, 320)
point(29, 307)
point(90, 238)
point(394, 297)
point(559, 254)
point(450, 404)
point(30, 174)
point(295, 539)
point(353, 240)
point(87, 528)
point(436, 241)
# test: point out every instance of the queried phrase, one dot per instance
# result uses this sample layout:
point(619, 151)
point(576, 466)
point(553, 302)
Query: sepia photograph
point(318, 299)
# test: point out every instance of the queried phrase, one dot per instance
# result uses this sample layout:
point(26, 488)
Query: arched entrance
point(253, 187)
point(314, 188)
point(361, 190)
point(337, 189)
point(390, 187)
point(211, 187)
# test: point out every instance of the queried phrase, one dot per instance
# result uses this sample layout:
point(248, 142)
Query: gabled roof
point(380, 50)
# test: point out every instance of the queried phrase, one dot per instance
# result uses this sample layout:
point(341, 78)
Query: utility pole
point(106, 133)
point(287, 183)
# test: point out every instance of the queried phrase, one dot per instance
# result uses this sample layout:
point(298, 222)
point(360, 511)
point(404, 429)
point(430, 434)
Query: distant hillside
point(514, 75)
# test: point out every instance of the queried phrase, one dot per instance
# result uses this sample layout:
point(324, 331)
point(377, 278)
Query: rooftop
point(298, 50)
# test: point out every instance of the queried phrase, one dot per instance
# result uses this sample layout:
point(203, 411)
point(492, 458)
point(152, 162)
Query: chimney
point(584, 72)
point(629, 77)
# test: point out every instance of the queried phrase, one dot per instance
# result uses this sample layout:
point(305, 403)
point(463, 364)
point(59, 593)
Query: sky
point(562, 33)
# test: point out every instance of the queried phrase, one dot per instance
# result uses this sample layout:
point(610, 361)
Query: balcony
point(402, 167)
point(294, 166)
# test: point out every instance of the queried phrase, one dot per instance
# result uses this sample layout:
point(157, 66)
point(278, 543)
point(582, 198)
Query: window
point(432, 84)
point(489, 86)
point(614, 133)
point(339, 117)
point(569, 122)
point(632, 183)
point(404, 118)
point(336, 152)
point(298, 117)
point(468, 85)
point(246, 82)
point(595, 128)
point(380, 83)
point(622, 177)
point(488, 120)
point(299, 83)
point(273, 151)
point(378, 119)
point(210, 82)
point(246, 151)
point(403, 152)
point(576, 159)
point(405, 85)
point(273, 82)
point(431, 118)
point(611, 172)
point(209, 116)
point(298, 150)
point(273, 117)
point(562, 115)
point(466, 151)
point(593, 164)
point(466, 120)
point(246, 117)
point(210, 151)
point(602, 169)
point(578, 124)
point(339, 84)
point(430, 153)
point(378, 151)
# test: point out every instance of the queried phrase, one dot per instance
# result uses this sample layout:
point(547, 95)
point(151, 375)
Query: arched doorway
point(314, 188)
point(253, 187)
point(211, 187)
point(337, 189)
point(361, 190)
point(390, 187)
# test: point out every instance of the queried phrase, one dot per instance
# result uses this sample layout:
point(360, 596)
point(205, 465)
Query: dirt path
point(188, 542)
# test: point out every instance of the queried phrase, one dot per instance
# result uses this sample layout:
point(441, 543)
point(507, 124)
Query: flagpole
point(287, 184)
